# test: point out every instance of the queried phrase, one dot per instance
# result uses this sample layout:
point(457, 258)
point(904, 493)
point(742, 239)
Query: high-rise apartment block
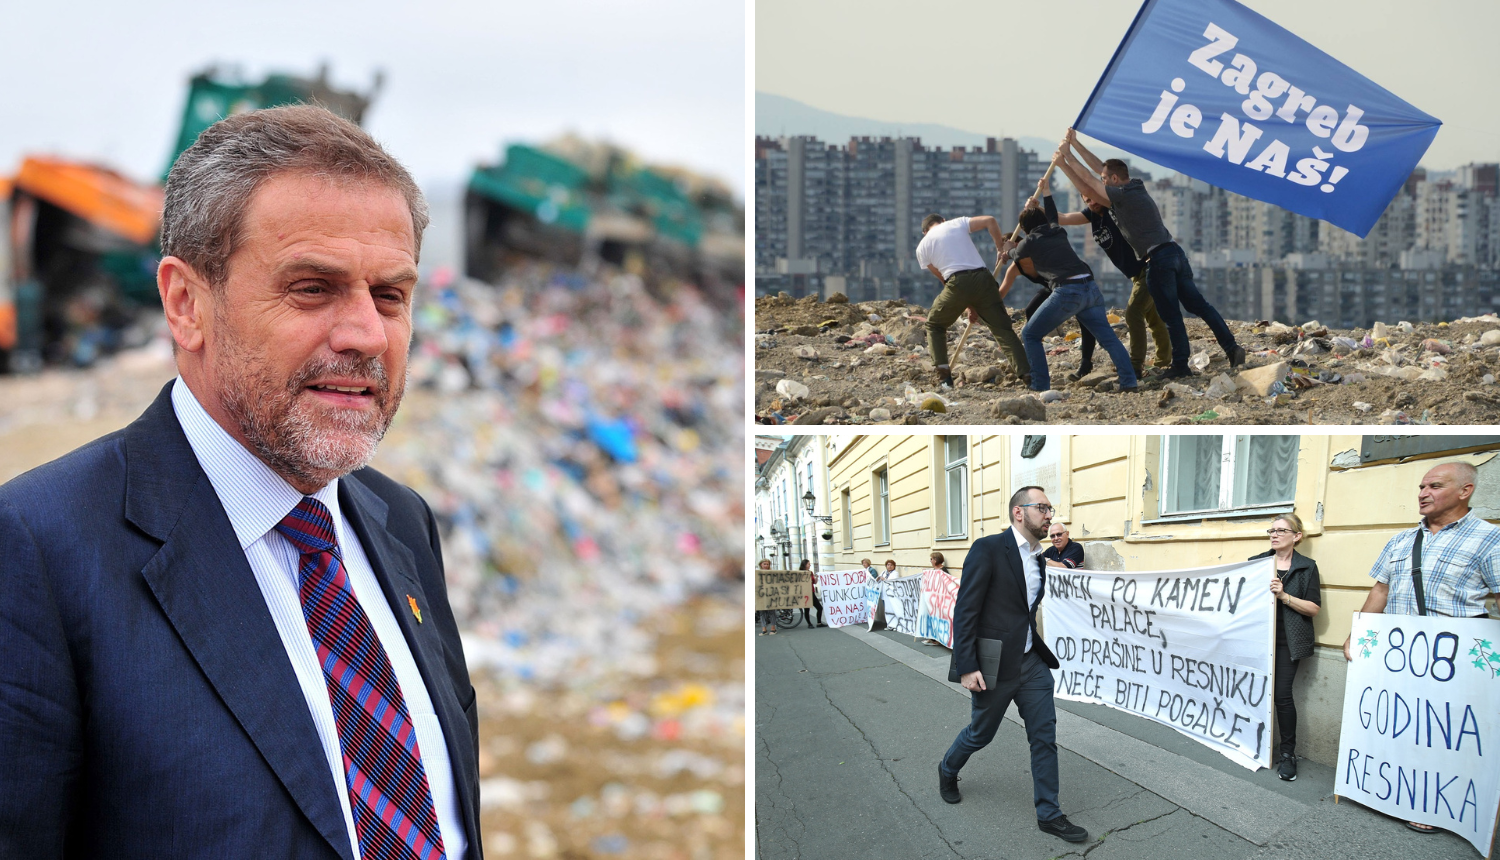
point(848, 218)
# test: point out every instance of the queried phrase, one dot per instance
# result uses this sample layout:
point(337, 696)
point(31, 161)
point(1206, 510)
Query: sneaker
point(1080, 373)
point(948, 786)
point(1237, 357)
point(1288, 768)
point(1062, 828)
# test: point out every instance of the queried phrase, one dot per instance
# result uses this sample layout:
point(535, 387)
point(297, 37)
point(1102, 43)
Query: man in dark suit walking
point(222, 636)
point(998, 596)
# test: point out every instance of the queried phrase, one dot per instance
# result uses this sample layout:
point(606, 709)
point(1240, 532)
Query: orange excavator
point(79, 242)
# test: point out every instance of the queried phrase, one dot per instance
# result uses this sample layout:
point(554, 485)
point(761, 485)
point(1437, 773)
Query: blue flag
point(1222, 94)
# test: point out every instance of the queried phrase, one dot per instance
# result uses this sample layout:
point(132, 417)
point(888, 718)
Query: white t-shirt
point(948, 246)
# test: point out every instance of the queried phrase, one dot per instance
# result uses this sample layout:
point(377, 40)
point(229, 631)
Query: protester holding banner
point(937, 562)
point(1064, 552)
point(1459, 562)
point(947, 251)
point(1299, 592)
point(998, 570)
point(890, 569)
point(1447, 565)
point(817, 601)
point(766, 618)
point(1140, 310)
point(1045, 254)
point(1168, 275)
point(870, 570)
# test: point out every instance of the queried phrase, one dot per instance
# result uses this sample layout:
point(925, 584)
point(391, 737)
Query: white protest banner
point(872, 600)
point(1188, 648)
point(899, 599)
point(1421, 712)
point(843, 596)
point(935, 611)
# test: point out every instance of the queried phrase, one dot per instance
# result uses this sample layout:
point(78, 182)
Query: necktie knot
point(309, 527)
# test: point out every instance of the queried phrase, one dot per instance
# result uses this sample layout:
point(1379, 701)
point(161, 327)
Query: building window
point(955, 486)
point(848, 520)
point(1217, 474)
point(881, 492)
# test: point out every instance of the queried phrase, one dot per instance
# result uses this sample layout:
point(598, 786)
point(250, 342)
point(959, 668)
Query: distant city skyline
point(958, 72)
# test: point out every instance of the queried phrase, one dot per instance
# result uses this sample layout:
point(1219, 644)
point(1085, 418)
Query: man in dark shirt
point(1168, 275)
point(1063, 552)
point(1045, 255)
point(1140, 310)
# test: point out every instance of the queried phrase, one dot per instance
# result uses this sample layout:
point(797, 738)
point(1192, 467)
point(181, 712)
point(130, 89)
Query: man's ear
point(185, 298)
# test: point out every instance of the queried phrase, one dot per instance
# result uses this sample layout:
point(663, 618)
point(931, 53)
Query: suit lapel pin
point(415, 610)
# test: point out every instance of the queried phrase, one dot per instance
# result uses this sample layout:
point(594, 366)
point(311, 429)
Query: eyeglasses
point(1275, 532)
point(1042, 509)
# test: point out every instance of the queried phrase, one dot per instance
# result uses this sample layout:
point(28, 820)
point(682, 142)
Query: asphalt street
point(850, 725)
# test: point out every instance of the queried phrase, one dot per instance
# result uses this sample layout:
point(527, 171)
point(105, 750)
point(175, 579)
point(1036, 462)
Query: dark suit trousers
point(1031, 690)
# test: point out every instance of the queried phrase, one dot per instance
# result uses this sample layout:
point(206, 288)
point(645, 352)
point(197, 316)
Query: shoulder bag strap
point(1416, 570)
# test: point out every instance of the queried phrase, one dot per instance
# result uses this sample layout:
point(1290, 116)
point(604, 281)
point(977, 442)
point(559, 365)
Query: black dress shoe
point(1062, 828)
point(1081, 373)
point(948, 786)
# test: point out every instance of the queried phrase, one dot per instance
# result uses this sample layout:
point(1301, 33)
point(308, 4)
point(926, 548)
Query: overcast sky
point(666, 78)
point(1026, 68)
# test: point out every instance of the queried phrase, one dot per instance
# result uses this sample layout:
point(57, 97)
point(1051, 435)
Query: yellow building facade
point(1155, 503)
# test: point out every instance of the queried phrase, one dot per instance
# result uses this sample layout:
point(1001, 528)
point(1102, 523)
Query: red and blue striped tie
point(388, 792)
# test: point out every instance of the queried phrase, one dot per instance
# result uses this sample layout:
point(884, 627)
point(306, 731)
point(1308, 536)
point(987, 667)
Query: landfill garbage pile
point(842, 363)
point(581, 441)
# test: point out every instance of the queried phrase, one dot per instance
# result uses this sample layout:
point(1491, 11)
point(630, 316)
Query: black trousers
point(1286, 709)
point(818, 605)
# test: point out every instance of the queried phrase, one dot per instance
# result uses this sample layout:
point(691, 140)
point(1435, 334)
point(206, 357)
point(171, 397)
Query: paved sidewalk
point(849, 727)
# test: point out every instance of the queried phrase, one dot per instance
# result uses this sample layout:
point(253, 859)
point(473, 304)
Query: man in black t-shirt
point(1168, 274)
point(1063, 552)
point(1140, 311)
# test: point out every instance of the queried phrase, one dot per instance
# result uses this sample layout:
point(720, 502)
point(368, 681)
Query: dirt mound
point(837, 362)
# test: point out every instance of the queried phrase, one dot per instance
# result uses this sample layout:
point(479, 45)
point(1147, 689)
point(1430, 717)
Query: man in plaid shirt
point(1460, 553)
point(1460, 558)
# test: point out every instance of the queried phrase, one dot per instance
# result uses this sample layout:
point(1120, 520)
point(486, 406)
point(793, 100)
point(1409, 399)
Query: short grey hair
point(1466, 472)
point(210, 186)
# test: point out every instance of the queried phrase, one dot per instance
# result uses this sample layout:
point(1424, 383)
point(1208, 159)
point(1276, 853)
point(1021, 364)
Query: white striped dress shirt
point(256, 499)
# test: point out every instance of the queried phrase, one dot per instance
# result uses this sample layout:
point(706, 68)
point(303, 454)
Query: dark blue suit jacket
point(991, 604)
point(147, 706)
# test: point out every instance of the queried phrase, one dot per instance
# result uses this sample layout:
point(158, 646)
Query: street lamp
point(783, 541)
point(809, 502)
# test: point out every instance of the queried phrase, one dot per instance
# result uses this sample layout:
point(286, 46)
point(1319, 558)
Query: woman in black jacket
point(1298, 594)
point(817, 604)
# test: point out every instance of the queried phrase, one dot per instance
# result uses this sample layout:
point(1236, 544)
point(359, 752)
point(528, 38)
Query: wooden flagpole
point(999, 267)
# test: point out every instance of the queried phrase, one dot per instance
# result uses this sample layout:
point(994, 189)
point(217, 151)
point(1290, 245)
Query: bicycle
point(786, 619)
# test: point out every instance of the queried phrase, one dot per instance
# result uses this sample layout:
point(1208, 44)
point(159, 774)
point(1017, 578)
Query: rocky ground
point(838, 362)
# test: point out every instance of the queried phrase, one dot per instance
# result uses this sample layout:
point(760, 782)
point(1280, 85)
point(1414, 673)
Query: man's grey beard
point(287, 438)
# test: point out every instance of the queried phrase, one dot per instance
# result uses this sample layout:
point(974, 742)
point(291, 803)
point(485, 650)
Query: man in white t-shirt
point(947, 251)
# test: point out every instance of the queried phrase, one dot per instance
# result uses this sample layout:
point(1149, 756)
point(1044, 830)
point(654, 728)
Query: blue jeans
point(1080, 299)
point(1032, 693)
point(1170, 280)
